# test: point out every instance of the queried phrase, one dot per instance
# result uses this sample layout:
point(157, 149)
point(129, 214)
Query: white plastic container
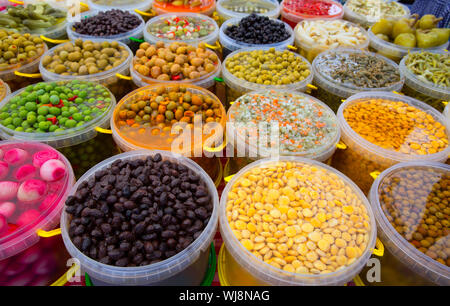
point(446, 112)
point(122, 37)
point(311, 49)
point(393, 51)
point(292, 18)
point(208, 39)
point(367, 20)
point(362, 157)
point(242, 8)
point(206, 7)
point(66, 138)
point(236, 87)
point(424, 90)
point(188, 267)
point(244, 268)
point(333, 92)
point(403, 264)
point(107, 78)
point(126, 5)
point(229, 44)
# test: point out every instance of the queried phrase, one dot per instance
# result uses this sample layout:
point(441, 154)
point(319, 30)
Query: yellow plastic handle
point(54, 41)
point(48, 234)
point(358, 281)
point(379, 248)
point(445, 103)
point(340, 145)
point(311, 86)
point(219, 148)
point(228, 178)
point(124, 77)
point(102, 130)
point(16, 2)
point(292, 48)
point(66, 276)
point(342, 100)
point(217, 46)
point(151, 14)
point(375, 174)
point(397, 93)
point(84, 4)
point(27, 75)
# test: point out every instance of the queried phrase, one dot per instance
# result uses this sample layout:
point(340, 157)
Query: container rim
point(274, 12)
point(51, 137)
point(16, 67)
point(349, 13)
point(150, 38)
point(92, 77)
point(7, 90)
point(290, 13)
point(314, 153)
point(277, 276)
point(389, 231)
point(141, 5)
point(171, 265)
point(350, 88)
point(232, 80)
point(227, 40)
point(137, 31)
point(397, 156)
point(12, 244)
point(424, 86)
point(169, 8)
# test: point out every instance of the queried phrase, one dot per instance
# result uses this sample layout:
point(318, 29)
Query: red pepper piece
point(176, 77)
point(53, 120)
point(72, 98)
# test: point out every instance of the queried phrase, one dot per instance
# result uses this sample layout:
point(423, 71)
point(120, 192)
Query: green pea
point(54, 99)
point(70, 123)
point(17, 121)
point(55, 111)
point(77, 117)
point(43, 110)
point(30, 106)
point(41, 118)
point(44, 125)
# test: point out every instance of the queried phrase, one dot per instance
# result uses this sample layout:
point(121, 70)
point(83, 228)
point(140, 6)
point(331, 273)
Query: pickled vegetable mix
point(430, 67)
point(181, 28)
point(304, 124)
point(376, 8)
point(312, 7)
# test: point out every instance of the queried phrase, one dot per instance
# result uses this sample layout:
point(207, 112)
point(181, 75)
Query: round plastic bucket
point(292, 17)
point(403, 263)
point(229, 44)
point(187, 267)
point(126, 5)
point(118, 86)
point(333, 91)
point(227, 9)
point(424, 90)
point(361, 158)
point(25, 258)
point(206, 7)
point(238, 266)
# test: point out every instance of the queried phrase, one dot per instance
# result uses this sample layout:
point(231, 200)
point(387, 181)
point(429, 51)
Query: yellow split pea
point(298, 217)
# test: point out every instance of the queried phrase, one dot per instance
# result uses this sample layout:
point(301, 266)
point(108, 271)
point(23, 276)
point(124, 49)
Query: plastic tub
point(308, 108)
point(243, 268)
point(236, 87)
point(293, 17)
point(122, 37)
point(211, 38)
point(4, 90)
point(373, 14)
point(82, 145)
point(206, 7)
point(229, 44)
point(16, 82)
point(333, 91)
point(25, 259)
point(118, 86)
point(227, 9)
point(422, 89)
point(310, 49)
point(403, 263)
point(361, 158)
point(127, 5)
point(127, 139)
point(393, 51)
point(188, 267)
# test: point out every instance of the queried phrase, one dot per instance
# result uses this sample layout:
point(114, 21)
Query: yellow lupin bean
point(298, 217)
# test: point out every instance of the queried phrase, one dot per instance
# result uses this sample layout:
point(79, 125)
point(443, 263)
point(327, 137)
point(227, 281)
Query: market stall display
point(368, 12)
point(35, 181)
point(205, 7)
point(63, 114)
point(155, 238)
point(280, 240)
point(410, 203)
point(176, 63)
point(340, 73)
point(190, 28)
point(395, 39)
point(254, 31)
point(227, 9)
point(427, 77)
point(90, 60)
point(294, 11)
point(306, 127)
point(315, 36)
point(262, 68)
point(381, 129)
